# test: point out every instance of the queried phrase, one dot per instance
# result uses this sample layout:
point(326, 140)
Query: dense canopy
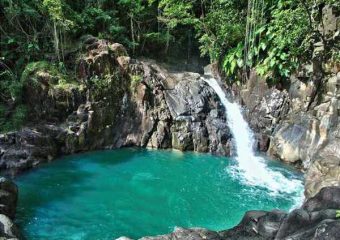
point(271, 35)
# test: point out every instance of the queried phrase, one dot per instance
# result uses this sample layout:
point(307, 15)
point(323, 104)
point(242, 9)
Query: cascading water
point(251, 168)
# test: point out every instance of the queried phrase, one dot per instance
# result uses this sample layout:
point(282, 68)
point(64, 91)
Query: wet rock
point(26, 148)
point(8, 197)
point(327, 198)
point(247, 228)
point(327, 230)
point(269, 224)
point(8, 203)
point(265, 105)
point(188, 234)
point(8, 229)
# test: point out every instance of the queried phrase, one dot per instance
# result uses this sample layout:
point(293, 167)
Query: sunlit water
point(134, 192)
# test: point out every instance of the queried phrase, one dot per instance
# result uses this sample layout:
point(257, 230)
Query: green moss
point(32, 68)
point(110, 87)
point(135, 80)
point(59, 78)
point(68, 85)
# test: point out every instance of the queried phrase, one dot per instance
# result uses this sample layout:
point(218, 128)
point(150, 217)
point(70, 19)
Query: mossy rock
point(50, 93)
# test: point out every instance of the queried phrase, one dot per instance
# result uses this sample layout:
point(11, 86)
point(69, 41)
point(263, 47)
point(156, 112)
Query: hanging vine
point(255, 15)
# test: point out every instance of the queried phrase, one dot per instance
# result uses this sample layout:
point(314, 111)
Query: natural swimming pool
point(137, 192)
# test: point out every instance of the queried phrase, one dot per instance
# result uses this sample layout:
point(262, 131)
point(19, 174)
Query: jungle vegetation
point(272, 36)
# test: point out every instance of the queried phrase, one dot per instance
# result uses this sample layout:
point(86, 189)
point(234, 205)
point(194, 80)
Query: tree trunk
point(56, 40)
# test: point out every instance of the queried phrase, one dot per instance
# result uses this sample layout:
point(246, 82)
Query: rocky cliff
point(114, 102)
point(299, 122)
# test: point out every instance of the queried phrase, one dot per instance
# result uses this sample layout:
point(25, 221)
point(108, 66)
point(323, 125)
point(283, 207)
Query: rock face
point(115, 102)
point(8, 203)
point(315, 220)
point(297, 130)
point(300, 123)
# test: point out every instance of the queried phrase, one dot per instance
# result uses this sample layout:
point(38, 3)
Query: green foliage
point(33, 67)
point(176, 13)
point(58, 77)
point(284, 41)
point(279, 44)
point(19, 116)
point(12, 118)
point(221, 28)
point(35, 30)
point(135, 80)
point(11, 89)
point(233, 60)
point(338, 214)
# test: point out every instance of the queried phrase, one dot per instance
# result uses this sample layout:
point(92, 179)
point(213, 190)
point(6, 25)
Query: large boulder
point(27, 148)
point(8, 230)
point(317, 213)
point(296, 141)
point(256, 225)
point(324, 170)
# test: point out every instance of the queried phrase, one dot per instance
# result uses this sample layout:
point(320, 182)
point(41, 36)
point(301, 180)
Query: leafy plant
point(12, 119)
point(233, 60)
point(338, 214)
point(278, 46)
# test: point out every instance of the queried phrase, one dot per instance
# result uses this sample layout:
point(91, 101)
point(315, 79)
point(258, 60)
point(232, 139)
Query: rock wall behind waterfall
point(300, 123)
point(114, 101)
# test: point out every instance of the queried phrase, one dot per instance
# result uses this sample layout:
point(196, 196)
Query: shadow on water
point(62, 179)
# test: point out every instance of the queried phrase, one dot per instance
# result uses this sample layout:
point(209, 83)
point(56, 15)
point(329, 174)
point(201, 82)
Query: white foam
point(251, 168)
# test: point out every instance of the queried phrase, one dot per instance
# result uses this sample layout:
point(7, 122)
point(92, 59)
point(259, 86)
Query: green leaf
point(263, 45)
point(11, 40)
point(240, 63)
point(338, 214)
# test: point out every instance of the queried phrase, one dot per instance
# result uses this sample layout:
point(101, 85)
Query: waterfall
point(252, 168)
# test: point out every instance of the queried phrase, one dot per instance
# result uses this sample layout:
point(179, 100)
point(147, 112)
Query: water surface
point(136, 192)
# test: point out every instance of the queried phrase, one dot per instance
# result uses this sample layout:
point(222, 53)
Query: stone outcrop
point(115, 102)
point(295, 130)
point(8, 203)
point(299, 122)
point(315, 220)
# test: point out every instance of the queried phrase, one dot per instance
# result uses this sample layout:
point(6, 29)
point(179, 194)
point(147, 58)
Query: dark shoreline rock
point(315, 220)
point(8, 204)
